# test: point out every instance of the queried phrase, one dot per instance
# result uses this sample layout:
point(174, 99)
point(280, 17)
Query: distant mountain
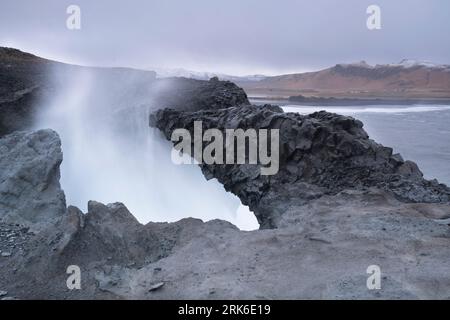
point(180, 72)
point(406, 79)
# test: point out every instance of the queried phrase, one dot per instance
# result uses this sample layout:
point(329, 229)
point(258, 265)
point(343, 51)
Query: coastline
point(315, 101)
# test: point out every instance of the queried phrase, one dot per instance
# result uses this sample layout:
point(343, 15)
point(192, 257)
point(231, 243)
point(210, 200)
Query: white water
point(105, 163)
point(370, 109)
point(419, 133)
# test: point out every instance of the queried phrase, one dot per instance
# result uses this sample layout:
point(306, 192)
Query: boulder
point(30, 192)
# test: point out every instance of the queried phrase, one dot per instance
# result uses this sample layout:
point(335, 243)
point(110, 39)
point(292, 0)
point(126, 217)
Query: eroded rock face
point(23, 83)
point(321, 153)
point(30, 193)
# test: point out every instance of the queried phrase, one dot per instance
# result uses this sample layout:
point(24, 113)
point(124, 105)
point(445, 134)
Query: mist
point(112, 155)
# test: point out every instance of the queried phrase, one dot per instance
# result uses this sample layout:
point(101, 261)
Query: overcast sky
point(230, 36)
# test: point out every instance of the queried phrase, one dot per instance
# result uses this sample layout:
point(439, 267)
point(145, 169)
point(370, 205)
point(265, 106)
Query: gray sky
point(230, 36)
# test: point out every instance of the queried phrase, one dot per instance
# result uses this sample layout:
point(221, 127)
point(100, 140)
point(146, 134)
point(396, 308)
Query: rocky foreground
point(321, 247)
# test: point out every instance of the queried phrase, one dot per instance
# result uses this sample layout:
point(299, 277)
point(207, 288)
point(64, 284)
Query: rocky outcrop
point(23, 82)
point(19, 112)
point(192, 95)
point(30, 192)
point(320, 154)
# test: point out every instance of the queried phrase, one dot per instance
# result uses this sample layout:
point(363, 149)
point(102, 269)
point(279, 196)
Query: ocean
point(420, 133)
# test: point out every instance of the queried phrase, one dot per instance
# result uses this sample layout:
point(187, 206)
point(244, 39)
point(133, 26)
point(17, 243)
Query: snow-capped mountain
point(410, 63)
point(405, 63)
point(180, 72)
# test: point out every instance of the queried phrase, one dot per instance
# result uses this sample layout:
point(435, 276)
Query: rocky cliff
point(320, 154)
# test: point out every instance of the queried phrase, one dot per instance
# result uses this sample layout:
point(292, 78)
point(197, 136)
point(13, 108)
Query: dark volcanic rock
point(19, 113)
point(19, 71)
point(321, 153)
point(190, 94)
point(23, 78)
